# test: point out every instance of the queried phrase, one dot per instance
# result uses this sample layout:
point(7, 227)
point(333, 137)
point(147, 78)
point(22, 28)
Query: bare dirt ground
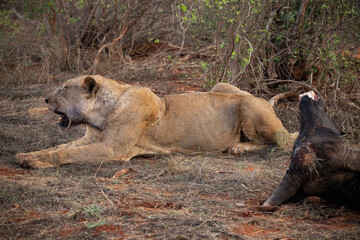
point(205, 196)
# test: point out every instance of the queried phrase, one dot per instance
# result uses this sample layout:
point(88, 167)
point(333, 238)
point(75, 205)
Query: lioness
point(123, 121)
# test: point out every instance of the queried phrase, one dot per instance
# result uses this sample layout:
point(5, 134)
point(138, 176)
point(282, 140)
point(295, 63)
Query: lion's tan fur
point(124, 121)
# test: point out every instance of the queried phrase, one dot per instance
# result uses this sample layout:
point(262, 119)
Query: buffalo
point(321, 164)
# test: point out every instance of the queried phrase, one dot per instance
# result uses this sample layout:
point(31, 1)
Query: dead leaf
point(15, 206)
point(121, 172)
point(240, 204)
point(116, 175)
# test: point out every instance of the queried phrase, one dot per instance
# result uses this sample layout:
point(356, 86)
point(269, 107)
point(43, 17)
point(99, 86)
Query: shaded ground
point(208, 196)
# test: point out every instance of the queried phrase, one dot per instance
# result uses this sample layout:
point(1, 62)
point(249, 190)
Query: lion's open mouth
point(64, 123)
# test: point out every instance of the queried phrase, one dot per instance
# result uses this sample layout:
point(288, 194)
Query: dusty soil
point(206, 196)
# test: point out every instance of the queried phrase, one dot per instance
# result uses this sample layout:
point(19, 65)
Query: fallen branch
point(351, 104)
point(283, 95)
point(116, 175)
point(112, 204)
point(272, 81)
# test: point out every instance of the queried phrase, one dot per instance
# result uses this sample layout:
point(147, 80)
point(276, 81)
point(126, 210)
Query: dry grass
point(206, 196)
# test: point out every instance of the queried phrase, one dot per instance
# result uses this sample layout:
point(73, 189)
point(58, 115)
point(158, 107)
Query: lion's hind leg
point(245, 147)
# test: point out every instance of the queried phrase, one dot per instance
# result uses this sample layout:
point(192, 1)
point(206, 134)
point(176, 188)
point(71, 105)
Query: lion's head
point(73, 101)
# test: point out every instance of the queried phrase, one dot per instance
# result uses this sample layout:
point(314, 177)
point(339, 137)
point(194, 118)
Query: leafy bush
point(252, 43)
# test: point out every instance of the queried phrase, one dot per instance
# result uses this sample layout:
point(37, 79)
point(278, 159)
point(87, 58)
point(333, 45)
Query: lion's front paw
point(33, 160)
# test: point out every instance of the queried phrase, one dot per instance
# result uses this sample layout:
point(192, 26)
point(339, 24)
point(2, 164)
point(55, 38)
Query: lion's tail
point(285, 140)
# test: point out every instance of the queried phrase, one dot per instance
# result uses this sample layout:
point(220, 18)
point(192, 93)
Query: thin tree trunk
point(300, 18)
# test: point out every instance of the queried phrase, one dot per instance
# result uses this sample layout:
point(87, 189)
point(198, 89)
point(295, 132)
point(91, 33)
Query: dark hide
point(321, 165)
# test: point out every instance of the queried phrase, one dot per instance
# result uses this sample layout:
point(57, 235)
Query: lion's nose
point(47, 100)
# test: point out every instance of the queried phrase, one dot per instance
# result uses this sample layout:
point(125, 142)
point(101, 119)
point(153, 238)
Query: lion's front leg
point(120, 144)
point(39, 159)
point(50, 157)
point(96, 152)
point(47, 157)
point(91, 136)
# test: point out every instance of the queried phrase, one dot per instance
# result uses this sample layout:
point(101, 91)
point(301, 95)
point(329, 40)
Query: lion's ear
point(90, 85)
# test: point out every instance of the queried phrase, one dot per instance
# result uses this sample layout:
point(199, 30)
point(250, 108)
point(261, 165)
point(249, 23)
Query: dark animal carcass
point(321, 165)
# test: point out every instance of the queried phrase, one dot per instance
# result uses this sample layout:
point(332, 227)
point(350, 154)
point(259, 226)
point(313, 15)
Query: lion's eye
point(62, 89)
